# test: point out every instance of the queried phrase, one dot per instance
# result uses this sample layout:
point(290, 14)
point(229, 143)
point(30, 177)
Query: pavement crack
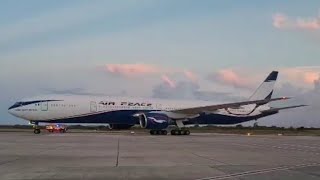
point(118, 150)
point(208, 158)
point(259, 171)
point(9, 161)
point(21, 158)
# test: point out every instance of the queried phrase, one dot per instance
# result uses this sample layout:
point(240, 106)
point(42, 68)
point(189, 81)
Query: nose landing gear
point(36, 129)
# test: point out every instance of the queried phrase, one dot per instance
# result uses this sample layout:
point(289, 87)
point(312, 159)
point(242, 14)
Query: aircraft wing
point(282, 108)
point(200, 109)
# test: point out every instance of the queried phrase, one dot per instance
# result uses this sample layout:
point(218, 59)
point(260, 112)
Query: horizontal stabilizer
point(282, 108)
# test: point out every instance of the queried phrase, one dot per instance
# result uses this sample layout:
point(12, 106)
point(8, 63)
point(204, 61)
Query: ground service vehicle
point(56, 128)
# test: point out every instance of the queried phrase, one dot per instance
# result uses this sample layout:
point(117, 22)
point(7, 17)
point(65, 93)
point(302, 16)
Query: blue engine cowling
point(154, 121)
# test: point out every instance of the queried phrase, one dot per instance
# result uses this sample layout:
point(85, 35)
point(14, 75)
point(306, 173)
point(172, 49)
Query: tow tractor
point(56, 128)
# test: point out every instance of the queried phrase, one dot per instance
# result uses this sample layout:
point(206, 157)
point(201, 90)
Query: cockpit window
point(18, 104)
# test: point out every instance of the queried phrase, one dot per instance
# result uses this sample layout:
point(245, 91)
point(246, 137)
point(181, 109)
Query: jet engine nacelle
point(154, 121)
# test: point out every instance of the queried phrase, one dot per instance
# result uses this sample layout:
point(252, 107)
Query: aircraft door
point(93, 106)
point(44, 106)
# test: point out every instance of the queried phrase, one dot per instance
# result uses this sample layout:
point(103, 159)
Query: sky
point(177, 49)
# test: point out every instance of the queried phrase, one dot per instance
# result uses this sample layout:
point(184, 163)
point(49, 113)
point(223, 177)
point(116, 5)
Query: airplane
point(153, 114)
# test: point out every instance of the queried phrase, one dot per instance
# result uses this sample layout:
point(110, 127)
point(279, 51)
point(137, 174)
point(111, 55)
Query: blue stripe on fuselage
point(112, 117)
point(126, 117)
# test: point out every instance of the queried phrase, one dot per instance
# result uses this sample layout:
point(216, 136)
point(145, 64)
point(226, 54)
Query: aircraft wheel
point(176, 132)
point(173, 132)
point(183, 132)
point(187, 132)
point(164, 132)
point(180, 132)
point(152, 132)
point(36, 131)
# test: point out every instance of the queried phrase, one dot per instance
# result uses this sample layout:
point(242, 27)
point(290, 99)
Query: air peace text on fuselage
point(112, 103)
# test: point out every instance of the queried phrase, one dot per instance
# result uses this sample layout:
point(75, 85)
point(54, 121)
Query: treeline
point(89, 127)
point(255, 127)
point(209, 127)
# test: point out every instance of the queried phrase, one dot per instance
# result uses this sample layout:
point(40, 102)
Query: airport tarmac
point(24, 155)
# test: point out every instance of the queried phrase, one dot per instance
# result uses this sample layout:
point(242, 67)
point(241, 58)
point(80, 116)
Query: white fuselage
point(57, 107)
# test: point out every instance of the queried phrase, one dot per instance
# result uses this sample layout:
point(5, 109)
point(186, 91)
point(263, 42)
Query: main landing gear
point(36, 129)
point(173, 132)
point(158, 132)
point(180, 132)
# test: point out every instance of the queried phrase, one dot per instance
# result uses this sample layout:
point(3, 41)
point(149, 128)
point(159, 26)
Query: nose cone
point(10, 110)
point(13, 112)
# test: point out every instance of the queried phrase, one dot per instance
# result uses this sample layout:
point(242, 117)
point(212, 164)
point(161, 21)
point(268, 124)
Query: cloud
point(130, 70)
point(139, 69)
point(317, 85)
point(188, 90)
point(282, 21)
point(191, 76)
point(249, 78)
point(231, 77)
point(308, 24)
point(168, 81)
point(301, 75)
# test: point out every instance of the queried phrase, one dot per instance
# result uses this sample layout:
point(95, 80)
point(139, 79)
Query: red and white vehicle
point(56, 128)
